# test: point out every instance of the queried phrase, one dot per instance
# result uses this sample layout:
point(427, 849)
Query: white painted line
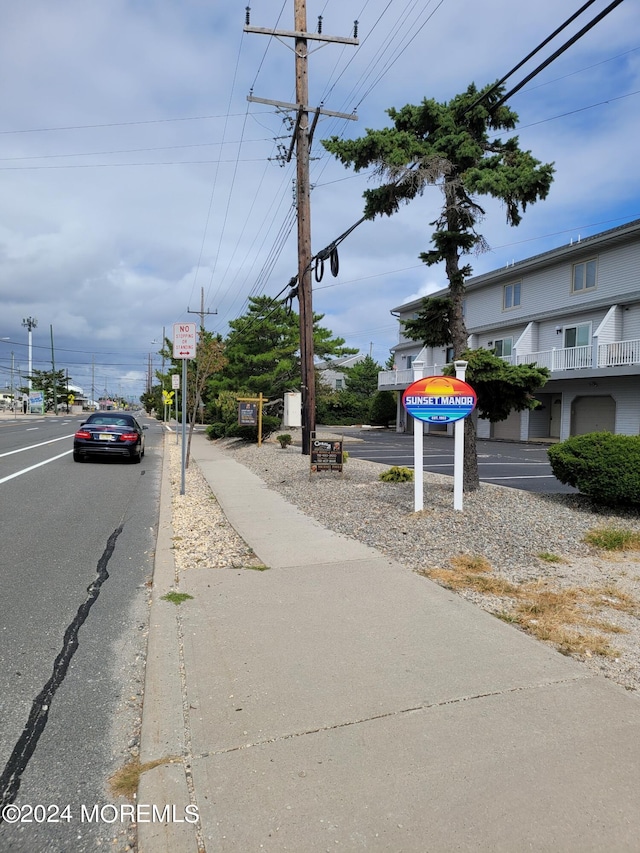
point(31, 429)
point(527, 477)
point(40, 444)
point(33, 467)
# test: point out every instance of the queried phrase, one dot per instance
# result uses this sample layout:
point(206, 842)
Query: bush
point(604, 466)
point(216, 430)
point(397, 474)
point(284, 439)
point(383, 409)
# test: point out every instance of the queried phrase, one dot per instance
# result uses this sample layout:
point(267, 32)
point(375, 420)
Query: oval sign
point(439, 399)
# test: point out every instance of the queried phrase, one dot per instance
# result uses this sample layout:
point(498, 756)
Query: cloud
point(135, 172)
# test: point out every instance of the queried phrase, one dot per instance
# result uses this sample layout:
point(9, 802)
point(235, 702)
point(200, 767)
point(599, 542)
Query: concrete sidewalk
point(339, 701)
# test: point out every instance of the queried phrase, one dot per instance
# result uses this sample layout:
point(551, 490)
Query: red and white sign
point(184, 340)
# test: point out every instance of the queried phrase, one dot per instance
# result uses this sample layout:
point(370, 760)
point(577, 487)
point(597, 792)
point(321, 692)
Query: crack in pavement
point(34, 727)
point(387, 714)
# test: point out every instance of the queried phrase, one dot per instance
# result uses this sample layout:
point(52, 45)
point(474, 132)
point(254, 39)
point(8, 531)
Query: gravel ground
point(507, 527)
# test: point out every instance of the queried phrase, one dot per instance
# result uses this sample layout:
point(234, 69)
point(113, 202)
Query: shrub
point(604, 466)
point(383, 409)
point(284, 439)
point(397, 474)
point(216, 430)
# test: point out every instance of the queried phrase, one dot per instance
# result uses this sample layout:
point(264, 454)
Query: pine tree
point(451, 145)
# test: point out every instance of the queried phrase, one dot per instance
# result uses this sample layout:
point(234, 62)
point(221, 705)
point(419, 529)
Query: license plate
point(106, 436)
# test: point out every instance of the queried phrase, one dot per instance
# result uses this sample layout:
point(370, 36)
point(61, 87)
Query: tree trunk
point(471, 479)
point(470, 476)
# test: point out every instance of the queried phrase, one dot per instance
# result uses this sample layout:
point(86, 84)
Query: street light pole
point(30, 323)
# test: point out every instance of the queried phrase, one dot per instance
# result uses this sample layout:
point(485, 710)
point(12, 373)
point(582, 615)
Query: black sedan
point(109, 434)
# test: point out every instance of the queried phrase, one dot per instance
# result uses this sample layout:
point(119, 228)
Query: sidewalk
point(339, 701)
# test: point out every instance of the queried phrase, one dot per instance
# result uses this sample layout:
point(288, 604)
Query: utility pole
point(201, 312)
point(53, 377)
point(302, 138)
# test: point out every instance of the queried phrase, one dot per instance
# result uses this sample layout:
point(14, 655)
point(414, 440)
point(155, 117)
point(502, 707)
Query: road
point(517, 465)
point(76, 550)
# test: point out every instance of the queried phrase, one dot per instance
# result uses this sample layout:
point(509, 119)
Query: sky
point(137, 179)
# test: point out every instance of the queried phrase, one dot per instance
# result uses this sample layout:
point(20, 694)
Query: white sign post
point(458, 445)
point(439, 400)
point(184, 347)
point(418, 445)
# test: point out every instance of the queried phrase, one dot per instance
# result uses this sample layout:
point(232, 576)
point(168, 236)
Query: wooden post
point(303, 203)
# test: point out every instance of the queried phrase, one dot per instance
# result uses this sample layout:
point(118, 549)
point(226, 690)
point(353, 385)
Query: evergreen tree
point(451, 145)
point(263, 350)
point(53, 385)
point(362, 378)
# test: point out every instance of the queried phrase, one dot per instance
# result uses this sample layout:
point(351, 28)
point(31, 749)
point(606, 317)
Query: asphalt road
point(517, 465)
point(76, 549)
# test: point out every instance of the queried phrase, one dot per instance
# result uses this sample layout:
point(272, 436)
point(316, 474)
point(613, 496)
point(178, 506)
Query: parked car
point(109, 434)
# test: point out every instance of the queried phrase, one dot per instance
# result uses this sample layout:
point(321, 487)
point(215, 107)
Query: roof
point(620, 234)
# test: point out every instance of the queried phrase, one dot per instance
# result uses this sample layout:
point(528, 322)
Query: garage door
point(593, 414)
point(508, 429)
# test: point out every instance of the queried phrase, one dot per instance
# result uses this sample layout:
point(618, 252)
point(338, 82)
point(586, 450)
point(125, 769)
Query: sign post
point(184, 347)
point(250, 412)
point(458, 445)
point(418, 449)
point(441, 400)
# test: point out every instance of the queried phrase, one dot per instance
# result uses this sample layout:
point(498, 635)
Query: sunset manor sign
point(439, 399)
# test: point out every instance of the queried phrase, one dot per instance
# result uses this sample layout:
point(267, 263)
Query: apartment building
point(575, 310)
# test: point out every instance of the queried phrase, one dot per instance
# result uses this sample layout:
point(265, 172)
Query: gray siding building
point(575, 310)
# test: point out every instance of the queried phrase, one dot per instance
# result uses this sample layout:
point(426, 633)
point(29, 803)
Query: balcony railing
point(568, 358)
point(615, 354)
point(619, 353)
point(400, 379)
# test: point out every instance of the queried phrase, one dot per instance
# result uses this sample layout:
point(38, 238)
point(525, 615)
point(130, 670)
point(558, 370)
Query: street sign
point(175, 381)
point(439, 399)
point(184, 340)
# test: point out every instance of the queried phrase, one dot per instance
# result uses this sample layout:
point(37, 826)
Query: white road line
point(31, 429)
point(32, 467)
point(527, 477)
point(41, 444)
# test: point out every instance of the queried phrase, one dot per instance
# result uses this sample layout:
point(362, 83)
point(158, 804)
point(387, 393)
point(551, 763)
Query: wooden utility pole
point(303, 135)
point(201, 312)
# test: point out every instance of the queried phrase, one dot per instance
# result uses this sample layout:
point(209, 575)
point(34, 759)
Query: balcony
point(398, 380)
point(568, 358)
point(619, 353)
point(616, 354)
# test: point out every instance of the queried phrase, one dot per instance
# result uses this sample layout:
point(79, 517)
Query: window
point(504, 347)
point(338, 384)
point(449, 355)
point(409, 360)
point(584, 276)
point(511, 296)
point(577, 336)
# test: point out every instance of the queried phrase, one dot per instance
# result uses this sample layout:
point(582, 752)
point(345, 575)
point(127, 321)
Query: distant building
point(575, 310)
point(331, 373)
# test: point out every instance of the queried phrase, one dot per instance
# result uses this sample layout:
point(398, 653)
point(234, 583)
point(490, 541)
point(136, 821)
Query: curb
point(163, 733)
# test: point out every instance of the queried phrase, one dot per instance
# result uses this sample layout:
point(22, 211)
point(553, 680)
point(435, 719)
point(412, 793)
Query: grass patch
point(572, 618)
point(549, 558)
point(125, 781)
point(176, 597)
point(613, 539)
